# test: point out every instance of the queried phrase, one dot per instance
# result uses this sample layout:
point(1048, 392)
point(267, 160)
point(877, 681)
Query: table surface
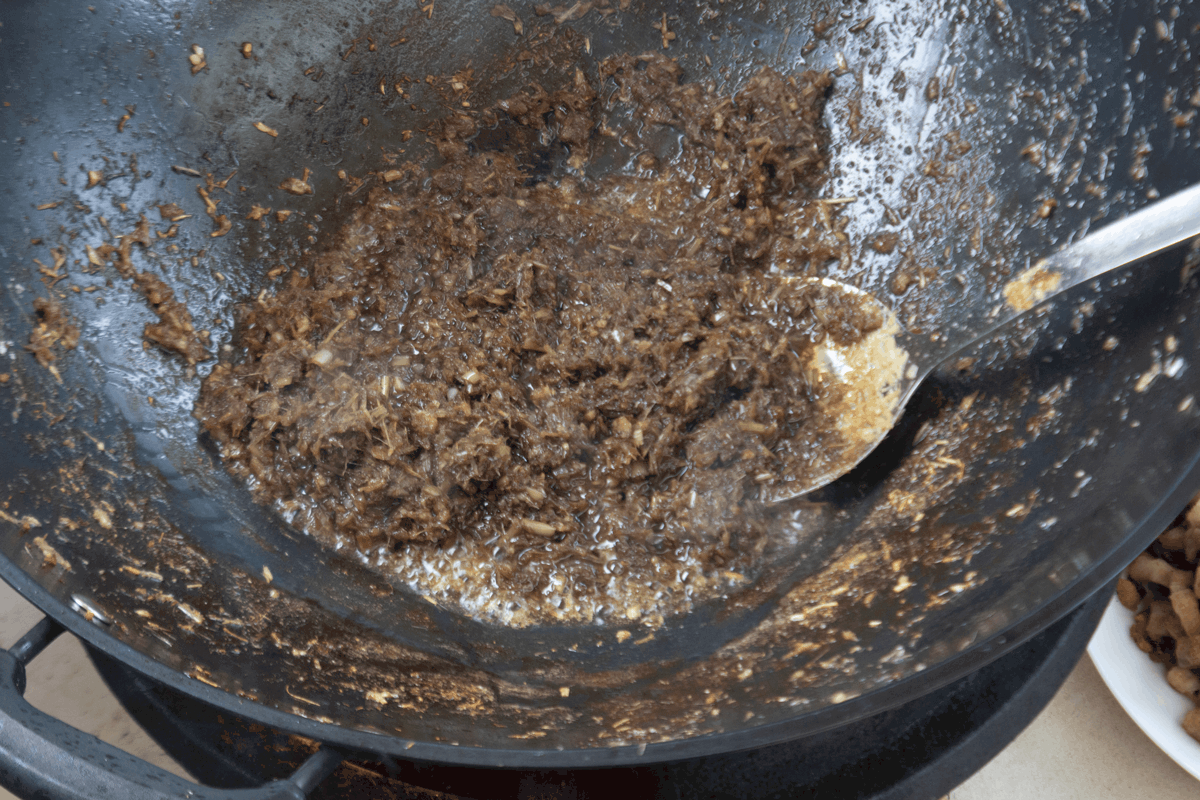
point(1081, 746)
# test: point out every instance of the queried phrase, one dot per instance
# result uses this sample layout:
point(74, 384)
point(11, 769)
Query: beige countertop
point(1081, 747)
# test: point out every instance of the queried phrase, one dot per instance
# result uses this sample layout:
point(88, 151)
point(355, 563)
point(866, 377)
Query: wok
point(1019, 481)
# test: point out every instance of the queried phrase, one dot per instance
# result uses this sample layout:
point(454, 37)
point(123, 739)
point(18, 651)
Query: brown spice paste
point(174, 331)
point(53, 328)
point(557, 398)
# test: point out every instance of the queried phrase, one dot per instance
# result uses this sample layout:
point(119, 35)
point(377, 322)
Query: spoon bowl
point(859, 388)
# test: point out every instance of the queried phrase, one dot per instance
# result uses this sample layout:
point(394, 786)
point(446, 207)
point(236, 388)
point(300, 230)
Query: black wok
point(1018, 483)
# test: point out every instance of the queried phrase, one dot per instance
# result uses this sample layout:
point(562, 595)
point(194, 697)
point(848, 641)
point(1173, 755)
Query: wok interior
point(1015, 485)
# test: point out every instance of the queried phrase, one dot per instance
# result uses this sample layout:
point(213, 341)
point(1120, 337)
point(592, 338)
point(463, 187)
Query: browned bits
point(861, 25)
point(668, 36)
point(196, 59)
point(567, 13)
point(95, 178)
point(538, 528)
point(172, 212)
point(885, 243)
point(297, 186)
point(53, 330)
point(933, 89)
point(128, 115)
point(174, 331)
point(504, 12)
point(247, 50)
point(50, 556)
point(220, 221)
point(1161, 587)
point(267, 129)
point(905, 277)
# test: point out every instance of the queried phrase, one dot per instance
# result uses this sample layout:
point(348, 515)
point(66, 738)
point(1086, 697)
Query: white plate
point(1141, 687)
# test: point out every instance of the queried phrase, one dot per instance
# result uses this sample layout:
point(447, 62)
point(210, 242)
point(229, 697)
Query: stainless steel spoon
point(863, 389)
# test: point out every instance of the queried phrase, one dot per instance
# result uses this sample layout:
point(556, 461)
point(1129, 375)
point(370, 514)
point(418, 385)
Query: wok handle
point(43, 757)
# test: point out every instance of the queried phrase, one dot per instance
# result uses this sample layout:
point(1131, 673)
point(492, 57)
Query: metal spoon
point(863, 388)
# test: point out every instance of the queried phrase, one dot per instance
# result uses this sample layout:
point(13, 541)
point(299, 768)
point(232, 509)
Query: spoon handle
point(1143, 233)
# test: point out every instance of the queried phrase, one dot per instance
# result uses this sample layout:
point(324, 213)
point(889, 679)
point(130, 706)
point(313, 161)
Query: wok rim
point(875, 701)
